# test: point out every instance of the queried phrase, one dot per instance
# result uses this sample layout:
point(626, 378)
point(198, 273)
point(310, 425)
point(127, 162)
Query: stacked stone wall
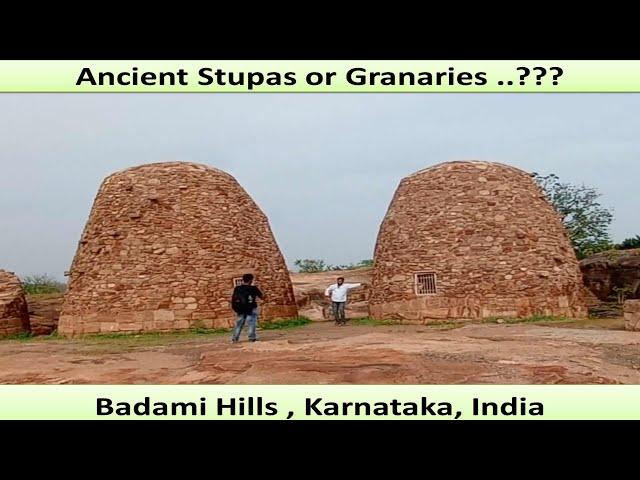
point(495, 244)
point(162, 249)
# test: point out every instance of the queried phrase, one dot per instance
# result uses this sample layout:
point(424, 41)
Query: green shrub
point(39, 284)
point(287, 323)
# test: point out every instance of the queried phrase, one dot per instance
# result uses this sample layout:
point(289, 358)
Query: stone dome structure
point(14, 313)
point(471, 239)
point(163, 248)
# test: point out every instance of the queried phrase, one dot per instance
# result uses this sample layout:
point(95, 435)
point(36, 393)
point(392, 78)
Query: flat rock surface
point(321, 353)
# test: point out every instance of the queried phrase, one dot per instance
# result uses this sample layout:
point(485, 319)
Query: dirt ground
point(587, 352)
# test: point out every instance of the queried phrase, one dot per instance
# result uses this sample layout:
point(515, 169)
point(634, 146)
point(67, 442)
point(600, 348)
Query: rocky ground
point(578, 352)
point(574, 352)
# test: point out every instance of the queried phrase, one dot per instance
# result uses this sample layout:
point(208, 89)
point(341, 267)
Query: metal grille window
point(426, 284)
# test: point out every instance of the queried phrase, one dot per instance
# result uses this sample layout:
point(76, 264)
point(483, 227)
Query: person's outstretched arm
point(353, 285)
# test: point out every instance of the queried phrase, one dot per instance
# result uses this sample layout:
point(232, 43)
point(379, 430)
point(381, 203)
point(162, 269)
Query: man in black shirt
point(245, 305)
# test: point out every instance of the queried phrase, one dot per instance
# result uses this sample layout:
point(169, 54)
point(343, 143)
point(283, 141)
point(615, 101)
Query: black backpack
point(243, 300)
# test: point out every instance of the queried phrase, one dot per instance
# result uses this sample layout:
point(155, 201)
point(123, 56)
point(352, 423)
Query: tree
point(351, 266)
point(38, 284)
point(629, 243)
point(586, 220)
point(309, 265)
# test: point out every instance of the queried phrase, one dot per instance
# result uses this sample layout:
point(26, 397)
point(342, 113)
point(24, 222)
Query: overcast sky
point(323, 167)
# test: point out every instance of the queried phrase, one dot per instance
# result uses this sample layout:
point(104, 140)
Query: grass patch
point(373, 322)
point(151, 338)
point(30, 337)
point(451, 324)
point(111, 343)
point(123, 342)
point(121, 337)
point(446, 324)
point(531, 319)
point(286, 323)
point(20, 337)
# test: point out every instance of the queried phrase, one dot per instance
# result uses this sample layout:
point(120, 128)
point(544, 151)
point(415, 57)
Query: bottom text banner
point(320, 402)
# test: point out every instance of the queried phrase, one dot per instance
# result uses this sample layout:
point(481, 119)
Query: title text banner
point(322, 76)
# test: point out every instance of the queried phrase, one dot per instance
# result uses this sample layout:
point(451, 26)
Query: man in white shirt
point(338, 294)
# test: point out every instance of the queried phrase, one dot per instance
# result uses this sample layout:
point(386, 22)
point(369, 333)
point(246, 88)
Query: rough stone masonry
point(162, 250)
point(473, 240)
point(14, 313)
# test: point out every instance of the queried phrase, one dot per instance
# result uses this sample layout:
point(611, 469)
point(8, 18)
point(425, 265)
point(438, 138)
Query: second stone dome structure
point(473, 240)
point(163, 248)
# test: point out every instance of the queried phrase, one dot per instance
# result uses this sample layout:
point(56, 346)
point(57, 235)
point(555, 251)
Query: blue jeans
point(251, 319)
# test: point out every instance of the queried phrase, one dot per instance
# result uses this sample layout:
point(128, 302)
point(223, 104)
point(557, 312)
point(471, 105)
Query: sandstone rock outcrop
point(14, 313)
point(632, 315)
point(44, 312)
point(162, 250)
point(473, 240)
point(613, 271)
point(309, 291)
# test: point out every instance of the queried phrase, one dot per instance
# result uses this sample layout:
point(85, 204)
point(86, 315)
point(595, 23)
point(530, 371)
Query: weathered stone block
point(130, 327)
point(89, 328)
point(182, 314)
point(181, 324)
point(163, 315)
point(108, 327)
